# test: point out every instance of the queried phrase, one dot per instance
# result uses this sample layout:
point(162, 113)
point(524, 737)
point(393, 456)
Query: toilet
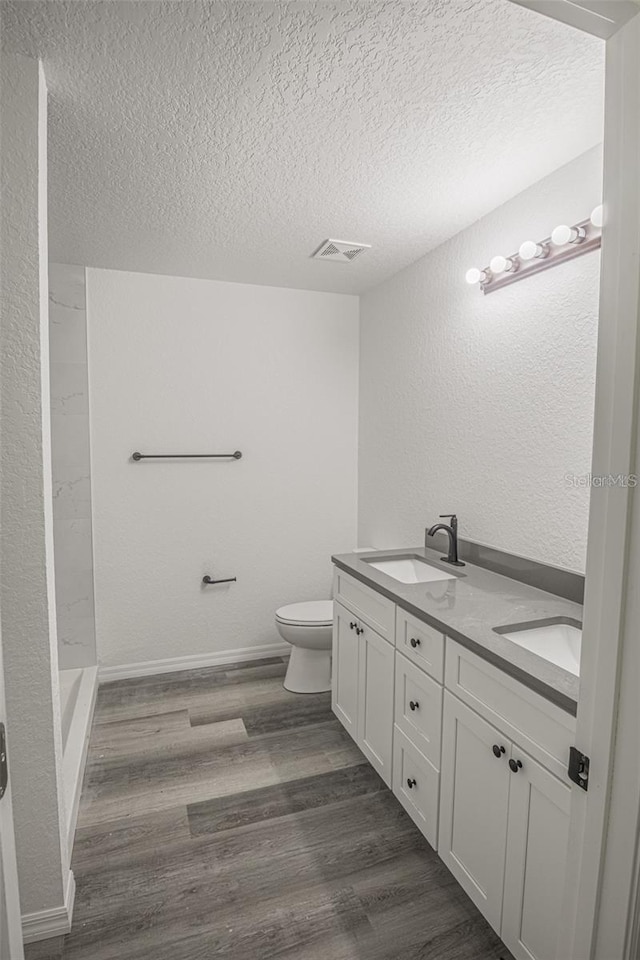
point(307, 627)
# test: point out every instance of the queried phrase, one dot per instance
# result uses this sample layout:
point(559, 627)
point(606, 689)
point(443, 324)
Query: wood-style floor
point(223, 817)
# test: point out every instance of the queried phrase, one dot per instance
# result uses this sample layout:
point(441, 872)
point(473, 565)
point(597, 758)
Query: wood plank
point(106, 846)
point(283, 712)
point(160, 735)
point(50, 949)
point(473, 939)
point(237, 810)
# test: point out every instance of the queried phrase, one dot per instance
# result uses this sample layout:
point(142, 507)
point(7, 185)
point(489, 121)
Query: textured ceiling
point(228, 139)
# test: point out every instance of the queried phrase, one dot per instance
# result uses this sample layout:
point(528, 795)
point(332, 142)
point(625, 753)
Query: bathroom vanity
point(470, 728)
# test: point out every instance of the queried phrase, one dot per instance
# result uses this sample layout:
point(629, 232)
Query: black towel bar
point(186, 456)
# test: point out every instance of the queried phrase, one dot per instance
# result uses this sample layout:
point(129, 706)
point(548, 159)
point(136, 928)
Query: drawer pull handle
point(353, 625)
point(414, 642)
point(359, 630)
point(515, 765)
point(411, 782)
point(413, 704)
point(497, 751)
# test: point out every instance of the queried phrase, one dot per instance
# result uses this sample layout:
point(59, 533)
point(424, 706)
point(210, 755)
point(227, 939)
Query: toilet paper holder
point(207, 579)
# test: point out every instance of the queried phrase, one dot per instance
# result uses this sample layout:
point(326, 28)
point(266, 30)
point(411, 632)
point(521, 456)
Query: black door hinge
point(4, 767)
point(579, 768)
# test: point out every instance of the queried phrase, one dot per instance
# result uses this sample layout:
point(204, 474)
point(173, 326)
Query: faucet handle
point(450, 516)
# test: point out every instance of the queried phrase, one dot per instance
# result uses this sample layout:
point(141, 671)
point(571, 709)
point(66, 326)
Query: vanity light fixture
point(565, 243)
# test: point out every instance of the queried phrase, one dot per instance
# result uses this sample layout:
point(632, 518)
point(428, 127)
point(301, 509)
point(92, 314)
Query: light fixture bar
point(554, 254)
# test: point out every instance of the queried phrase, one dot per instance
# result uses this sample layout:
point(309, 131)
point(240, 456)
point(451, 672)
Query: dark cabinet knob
point(413, 704)
point(414, 642)
point(411, 783)
point(497, 751)
point(353, 626)
point(515, 765)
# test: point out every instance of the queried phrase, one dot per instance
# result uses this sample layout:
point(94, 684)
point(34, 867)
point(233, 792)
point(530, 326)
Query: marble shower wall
point(71, 466)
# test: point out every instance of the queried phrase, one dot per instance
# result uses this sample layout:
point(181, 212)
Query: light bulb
point(501, 264)
point(564, 234)
point(561, 235)
point(476, 276)
point(597, 216)
point(530, 250)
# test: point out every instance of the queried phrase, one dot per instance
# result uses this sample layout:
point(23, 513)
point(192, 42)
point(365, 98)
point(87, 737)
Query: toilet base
point(309, 671)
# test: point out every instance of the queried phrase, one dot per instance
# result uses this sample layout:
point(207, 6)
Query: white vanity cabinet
point(504, 819)
point(477, 759)
point(363, 669)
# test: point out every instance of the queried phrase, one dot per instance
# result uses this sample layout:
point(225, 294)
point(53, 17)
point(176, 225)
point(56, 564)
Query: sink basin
point(410, 570)
point(557, 640)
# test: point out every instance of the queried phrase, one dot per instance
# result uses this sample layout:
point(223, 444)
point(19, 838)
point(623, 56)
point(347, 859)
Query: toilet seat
point(311, 613)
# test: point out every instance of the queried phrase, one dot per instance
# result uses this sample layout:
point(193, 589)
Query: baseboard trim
point(128, 671)
point(77, 747)
point(55, 922)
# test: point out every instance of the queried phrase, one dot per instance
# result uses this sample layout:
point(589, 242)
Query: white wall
point(71, 466)
point(204, 366)
point(480, 405)
point(26, 555)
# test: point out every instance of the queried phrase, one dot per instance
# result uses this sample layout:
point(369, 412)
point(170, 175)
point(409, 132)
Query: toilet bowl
point(307, 627)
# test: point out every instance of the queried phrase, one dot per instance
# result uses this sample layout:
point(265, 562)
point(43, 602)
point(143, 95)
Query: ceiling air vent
point(340, 251)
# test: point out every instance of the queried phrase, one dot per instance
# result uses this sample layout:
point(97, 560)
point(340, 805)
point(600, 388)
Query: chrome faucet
point(452, 533)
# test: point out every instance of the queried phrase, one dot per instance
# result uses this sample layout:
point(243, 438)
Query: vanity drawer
point(372, 607)
point(537, 725)
point(418, 708)
point(416, 784)
point(422, 644)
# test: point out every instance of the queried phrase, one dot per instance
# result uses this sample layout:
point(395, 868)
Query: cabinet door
point(418, 710)
point(375, 700)
point(537, 841)
point(474, 802)
point(344, 679)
